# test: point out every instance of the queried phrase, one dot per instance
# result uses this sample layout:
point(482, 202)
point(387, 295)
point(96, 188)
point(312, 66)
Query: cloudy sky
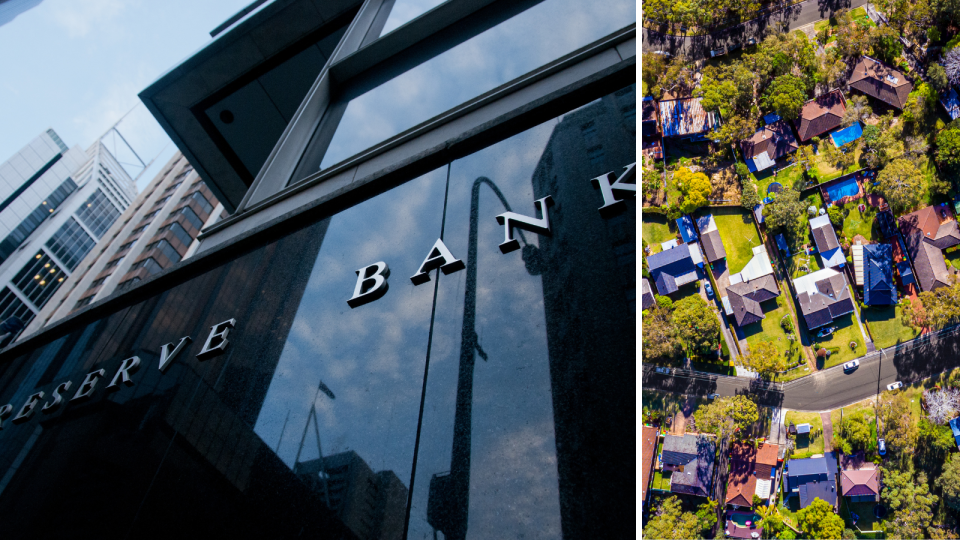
point(77, 66)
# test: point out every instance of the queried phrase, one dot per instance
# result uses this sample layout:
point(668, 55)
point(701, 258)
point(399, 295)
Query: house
point(880, 81)
point(767, 145)
point(648, 458)
point(673, 268)
point(648, 121)
point(690, 458)
point(926, 233)
point(951, 103)
point(823, 296)
point(826, 240)
point(859, 479)
point(710, 238)
point(749, 287)
point(752, 472)
point(820, 115)
point(646, 295)
point(686, 117)
point(812, 478)
point(879, 288)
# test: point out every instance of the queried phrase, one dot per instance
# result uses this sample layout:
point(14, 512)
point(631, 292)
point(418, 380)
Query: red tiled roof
point(820, 115)
point(648, 450)
point(881, 81)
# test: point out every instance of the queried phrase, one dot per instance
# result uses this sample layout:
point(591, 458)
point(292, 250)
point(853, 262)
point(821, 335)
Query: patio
point(742, 525)
point(832, 186)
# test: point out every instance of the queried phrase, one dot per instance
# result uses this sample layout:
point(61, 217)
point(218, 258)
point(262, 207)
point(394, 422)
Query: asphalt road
point(832, 388)
point(795, 16)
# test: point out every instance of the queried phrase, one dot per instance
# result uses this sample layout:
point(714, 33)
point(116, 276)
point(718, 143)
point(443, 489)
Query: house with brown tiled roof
point(859, 479)
point(648, 455)
point(752, 472)
point(880, 81)
point(820, 115)
point(926, 233)
point(767, 145)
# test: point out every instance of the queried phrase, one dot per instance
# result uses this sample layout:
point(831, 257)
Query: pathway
point(827, 431)
point(778, 429)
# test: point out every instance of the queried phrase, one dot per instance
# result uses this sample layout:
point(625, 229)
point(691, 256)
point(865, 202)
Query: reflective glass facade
point(494, 401)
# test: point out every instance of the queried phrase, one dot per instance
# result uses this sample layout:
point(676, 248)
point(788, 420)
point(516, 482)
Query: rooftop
point(820, 115)
point(878, 80)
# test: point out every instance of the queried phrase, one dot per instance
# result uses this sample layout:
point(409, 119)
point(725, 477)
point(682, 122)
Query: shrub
point(785, 324)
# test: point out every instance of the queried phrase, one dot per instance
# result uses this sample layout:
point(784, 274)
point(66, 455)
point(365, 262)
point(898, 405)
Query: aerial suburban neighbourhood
point(800, 287)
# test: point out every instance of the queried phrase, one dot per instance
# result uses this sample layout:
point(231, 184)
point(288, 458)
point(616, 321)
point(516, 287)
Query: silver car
point(894, 386)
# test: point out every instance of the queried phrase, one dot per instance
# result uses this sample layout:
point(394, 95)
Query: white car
point(894, 385)
point(851, 365)
point(663, 370)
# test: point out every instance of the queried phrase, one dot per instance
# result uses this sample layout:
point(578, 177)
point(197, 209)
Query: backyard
point(838, 343)
point(806, 445)
point(862, 223)
point(825, 172)
point(801, 265)
point(656, 230)
point(865, 518)
point(739, 236)
point(661, 480)
point(859, 16)
point(885, 325)
point(769, 329)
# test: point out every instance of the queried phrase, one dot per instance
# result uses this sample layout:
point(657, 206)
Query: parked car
point(881, 447)
point(713, 396)
point(824, 332)
point(851, 365)
point(894, 385)
point(718, 52)
point(752, 41)
point(665, 371)
point(709, 289)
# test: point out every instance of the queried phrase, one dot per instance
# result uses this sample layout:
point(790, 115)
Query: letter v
point(167, 356)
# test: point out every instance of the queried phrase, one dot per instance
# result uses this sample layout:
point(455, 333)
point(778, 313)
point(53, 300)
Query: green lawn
point(826, 172)
point(808, 444)
point(866, 521)
point(661, 480)
point(847, 330)
point(953, 259)
point(769, 329)
point(860, 17)
point(656, 230)
point(801, 265)
point(863, 224)
point(885, 326)
point(739, 236)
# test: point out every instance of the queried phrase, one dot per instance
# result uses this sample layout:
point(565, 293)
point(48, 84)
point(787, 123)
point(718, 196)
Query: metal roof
point(683, 117)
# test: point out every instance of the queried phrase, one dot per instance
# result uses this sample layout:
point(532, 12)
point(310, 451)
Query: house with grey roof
point(749, 287)
point(825, 237)
point(690, 458)
point(767, 145)
point(646, 295)
point(673, 268)
point(823, 296)
point(812, 478)
point(710, 238)
point(926, 233)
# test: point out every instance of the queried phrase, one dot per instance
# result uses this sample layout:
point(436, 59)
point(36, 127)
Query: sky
point(77, 66)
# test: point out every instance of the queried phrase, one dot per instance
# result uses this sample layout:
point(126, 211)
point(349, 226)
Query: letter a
point(509, 220)
point(612, 205)
point(439, 257)
point(365, 291)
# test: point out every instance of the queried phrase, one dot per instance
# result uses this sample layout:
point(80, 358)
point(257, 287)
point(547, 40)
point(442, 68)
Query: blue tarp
point(847, 135)
point(771, 118)
point(906, 274)
point(685, 224)
point(951, 102)
point(782, 244)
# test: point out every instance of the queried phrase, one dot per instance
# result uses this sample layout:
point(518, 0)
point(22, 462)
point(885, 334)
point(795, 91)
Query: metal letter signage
point(88, 384)
point(611, 204)
point(365, 291)
point(129, 365)
point(167, 356)
point(27, 410)
point(509, 220)
point(57, 398)
point(216, 342)
point(439, 257)
point(5, 412)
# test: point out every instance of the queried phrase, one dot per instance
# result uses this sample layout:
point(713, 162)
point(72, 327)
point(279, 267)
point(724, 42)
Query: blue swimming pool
point(847, 188)
point(847, 135)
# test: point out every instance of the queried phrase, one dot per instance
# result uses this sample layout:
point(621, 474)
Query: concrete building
point(58, 202)
point(156, 232)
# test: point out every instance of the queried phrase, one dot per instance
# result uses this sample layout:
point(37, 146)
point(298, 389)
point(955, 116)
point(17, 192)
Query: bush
point(785, 324)
point(664, 301)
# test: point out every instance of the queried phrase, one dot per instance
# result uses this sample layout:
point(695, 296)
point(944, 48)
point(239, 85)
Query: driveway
point(827, 431)
point(794, 17)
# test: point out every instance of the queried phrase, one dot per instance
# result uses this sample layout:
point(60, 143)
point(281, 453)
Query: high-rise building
point(57, 204)
point(158, 230)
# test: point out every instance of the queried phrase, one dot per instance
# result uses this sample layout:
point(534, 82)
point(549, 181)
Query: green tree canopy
point(724, 414)
point(765, 358)
point(819, 521)
point(938, 77)
point(786, 213)
point(899, 428)
point(901, 182)
point(748, 195)
point(660, 339)
point(695, 187)
point(941, 306)
point(786, 95)
point(671, 523)
point(910, 500)
point(853, 434)
point(696, 323)
point(949, 482)
point(948, 152)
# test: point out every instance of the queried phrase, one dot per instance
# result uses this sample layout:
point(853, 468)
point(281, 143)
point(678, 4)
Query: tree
point(920, 108)
point(770, 520)
point(786, 95)
point(858, 110)
point(853, 433)
point(941, 306)
point(695, 188)
point(659, 334)
point(836, 217)
point(743, 411)
point(910, 500)
point(748, 195)
point(696, 323)
point(938, 77)
point(896, 423)
point(948, 151)
point(786, 212)
point(942, 405)
point(901, 182)
point(679, 77)
point(734, 129)
point(949, 482)
point(723, 414)
point(670, 523)
point(849, 534)
point(886, 44)
point(707, 515)
point(951, 65)
point(765, 358)
point(819, 521)
point(654, 65)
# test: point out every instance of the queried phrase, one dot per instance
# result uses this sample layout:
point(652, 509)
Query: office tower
point(59, 202)
point(157, 231)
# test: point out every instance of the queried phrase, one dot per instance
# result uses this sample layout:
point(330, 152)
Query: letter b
point(371, 284)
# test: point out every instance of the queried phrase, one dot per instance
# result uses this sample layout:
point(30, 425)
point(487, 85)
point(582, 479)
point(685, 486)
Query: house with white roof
point(826, 240)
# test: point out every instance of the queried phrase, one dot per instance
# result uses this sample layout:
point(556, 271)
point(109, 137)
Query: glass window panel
point(98, 213)
point(70, 243)
point(530, 39)
point(39, 279)
point(404, 11)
